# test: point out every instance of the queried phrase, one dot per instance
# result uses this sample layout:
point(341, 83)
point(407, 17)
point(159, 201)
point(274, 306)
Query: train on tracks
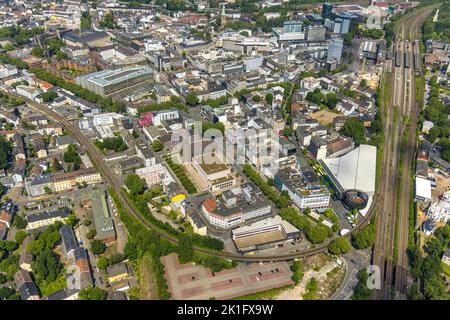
point(417, 57)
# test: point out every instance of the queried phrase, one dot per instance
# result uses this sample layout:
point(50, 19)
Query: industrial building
point(104, 224)
point(117, 82)
point(263, 234)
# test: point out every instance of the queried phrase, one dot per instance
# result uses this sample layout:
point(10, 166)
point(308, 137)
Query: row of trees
point(181, 175)
point(173, 103)
point(314, 233)
point(5, 152)
point(280, 199)
point(434, 112)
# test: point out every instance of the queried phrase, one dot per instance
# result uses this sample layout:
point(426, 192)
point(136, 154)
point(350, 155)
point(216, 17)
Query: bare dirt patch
point(324, 116)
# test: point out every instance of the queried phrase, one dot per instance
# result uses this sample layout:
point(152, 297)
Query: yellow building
point(70, 180)
point(118, 272)
point(41, 153)
point(178, 198)
point(198, 225)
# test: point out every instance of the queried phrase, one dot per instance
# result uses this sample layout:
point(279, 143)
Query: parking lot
point(189, 281)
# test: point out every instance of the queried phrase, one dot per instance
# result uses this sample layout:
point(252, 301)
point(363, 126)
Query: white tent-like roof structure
point(355, 170)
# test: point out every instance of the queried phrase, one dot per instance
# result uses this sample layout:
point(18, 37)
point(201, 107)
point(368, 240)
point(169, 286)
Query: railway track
point(402, 109)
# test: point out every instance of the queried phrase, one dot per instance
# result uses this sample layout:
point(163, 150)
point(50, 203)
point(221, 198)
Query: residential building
point(69, 180)
point(153, 175)
point(46, 218)
point(68, 240)
point(38, 186)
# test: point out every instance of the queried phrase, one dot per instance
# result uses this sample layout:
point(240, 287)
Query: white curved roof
point(356, 169)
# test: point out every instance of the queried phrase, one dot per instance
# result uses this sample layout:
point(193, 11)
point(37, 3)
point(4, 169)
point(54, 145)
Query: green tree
point(256, 98)
point(46, 266)
point(20, 236)
point(354, 128)
point(157, 145)
point(192, 99)
point(135, 184)
point(340, 245)
point(102, 263)
point(37, 52)
point(362, 292)
point(131, 250)
point(365, 237)
point(331, 99)
point(97, 247)
point(49, 96)
point(5, 152)
point(91, 234)
point(108, 22)
point(2, 189)
point(269, 98)
point(185, 248)
point(20, 222)
point(363, 83)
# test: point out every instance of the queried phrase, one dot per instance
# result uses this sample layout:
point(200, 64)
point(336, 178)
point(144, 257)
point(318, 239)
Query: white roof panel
point(423, 188)
point(356, 169)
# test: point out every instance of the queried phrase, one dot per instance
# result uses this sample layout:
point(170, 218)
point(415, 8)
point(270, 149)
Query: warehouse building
point(104, 224)
point(264, 234)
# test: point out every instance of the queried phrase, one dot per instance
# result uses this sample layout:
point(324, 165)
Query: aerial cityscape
point(224, 150)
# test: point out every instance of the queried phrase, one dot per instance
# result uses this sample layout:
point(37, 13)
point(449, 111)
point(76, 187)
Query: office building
point(327, 10)
point(236, 206)
point(117, 82)
point(292, 31)
point(304, 187)
point(335, 49)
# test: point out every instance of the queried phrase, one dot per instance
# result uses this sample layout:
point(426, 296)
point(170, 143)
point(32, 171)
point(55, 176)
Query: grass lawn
point(148, 289)
point(446, 269)
point(52, 287)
